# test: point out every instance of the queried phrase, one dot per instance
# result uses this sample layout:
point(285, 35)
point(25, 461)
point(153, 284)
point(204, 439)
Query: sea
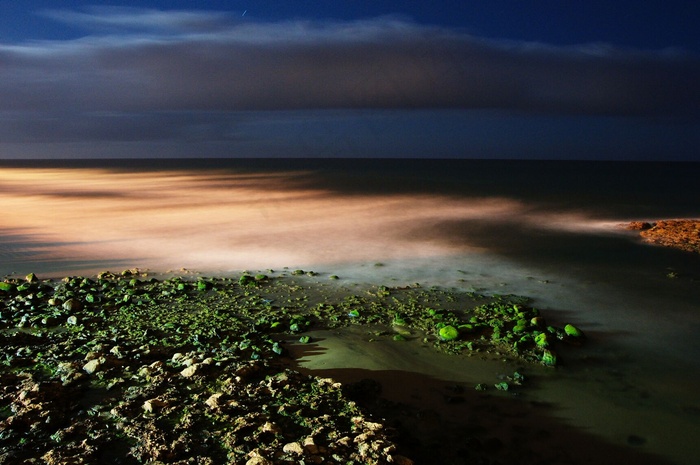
point(550, 230)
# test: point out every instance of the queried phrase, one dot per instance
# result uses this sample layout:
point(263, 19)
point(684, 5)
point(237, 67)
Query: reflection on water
point(641, 366)
point(218, 221)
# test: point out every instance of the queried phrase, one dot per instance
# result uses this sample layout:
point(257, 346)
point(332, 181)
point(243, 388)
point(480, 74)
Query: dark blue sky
point(487, 79)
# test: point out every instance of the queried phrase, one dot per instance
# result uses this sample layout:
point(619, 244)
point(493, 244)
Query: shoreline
point(137, 351)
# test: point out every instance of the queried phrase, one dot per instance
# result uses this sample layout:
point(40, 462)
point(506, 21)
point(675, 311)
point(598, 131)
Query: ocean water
point(548, 230)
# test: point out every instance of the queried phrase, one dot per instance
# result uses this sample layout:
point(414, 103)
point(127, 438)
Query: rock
point(371, 426)
point(310, 446)
point(549, 358)
point(246, 280)
point(188, 361)
point(573, 331)
point(91, 356)
point(145, 371)
point(448, 333)
point(270, 427)
point(542, 340)
point(363, 438)
point(399, 460)
point(154, 405)
point(214, 400)
point(189, 371)
point(92, 366)
point(72, 305)
point(72, 320)
point(293, 448)
point(31, 278)
point(117, 351)
point(157, 366)
point(639, 226)
point(679, 234)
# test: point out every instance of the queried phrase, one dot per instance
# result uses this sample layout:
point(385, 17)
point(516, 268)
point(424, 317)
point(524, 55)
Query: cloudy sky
point(351, 78)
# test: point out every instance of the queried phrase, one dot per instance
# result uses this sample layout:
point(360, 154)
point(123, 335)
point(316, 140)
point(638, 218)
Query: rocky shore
point(679, 234)
point(126, 368)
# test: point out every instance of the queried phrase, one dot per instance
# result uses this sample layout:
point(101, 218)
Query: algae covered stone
point(573, 331)
point(549, 358)
point(448, 333)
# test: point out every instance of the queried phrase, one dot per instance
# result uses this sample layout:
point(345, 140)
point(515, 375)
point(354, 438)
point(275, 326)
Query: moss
point(549, 358)
point(448, 333)
point(573, 331)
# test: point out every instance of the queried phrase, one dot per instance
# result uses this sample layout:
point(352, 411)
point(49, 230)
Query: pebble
point(189, 371)
point(92, 366)
point(214, 400)
point(293, 448)
point(153, 405)
point(400, 460)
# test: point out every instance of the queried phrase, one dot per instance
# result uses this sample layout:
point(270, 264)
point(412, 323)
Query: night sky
point(540, 79)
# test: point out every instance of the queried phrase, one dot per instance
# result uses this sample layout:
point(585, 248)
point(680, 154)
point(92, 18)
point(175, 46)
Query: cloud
point(379, 63)
point(152, 76)
point(115, 19)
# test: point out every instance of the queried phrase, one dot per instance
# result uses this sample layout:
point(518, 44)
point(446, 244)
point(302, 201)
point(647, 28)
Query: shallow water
point(545, 230)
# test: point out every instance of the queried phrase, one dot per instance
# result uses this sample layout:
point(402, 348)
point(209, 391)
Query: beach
point(538, 231)
point(273, 368)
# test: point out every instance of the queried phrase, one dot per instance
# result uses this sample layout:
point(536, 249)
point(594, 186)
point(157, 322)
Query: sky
point(507, 79)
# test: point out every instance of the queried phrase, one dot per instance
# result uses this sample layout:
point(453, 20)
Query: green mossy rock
point(573, 331)
point(448, 333)
point(541, 340)
point(6, 287)
point(519, 329)
point(549, 358)
point(246, 280)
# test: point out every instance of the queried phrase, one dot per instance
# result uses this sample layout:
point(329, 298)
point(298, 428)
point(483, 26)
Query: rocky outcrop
point(679, 234)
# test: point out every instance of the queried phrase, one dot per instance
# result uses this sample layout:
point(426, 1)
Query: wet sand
point(434, 404)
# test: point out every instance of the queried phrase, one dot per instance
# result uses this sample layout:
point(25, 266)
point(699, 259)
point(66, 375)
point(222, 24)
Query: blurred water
point(549, 230)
